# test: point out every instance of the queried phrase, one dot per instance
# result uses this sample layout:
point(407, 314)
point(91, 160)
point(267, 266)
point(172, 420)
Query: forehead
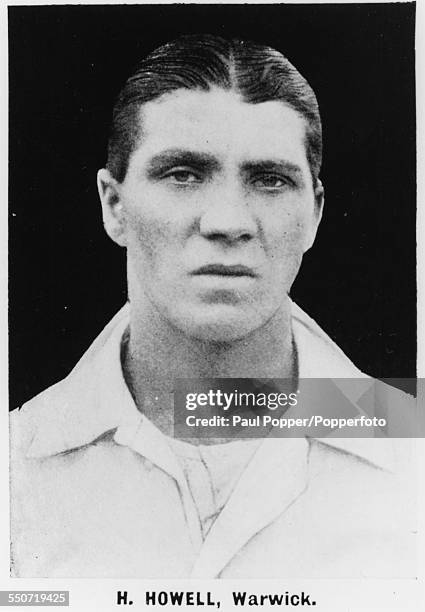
point(221, 123)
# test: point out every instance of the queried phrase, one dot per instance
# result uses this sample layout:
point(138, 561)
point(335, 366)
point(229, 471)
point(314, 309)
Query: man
point(212, 186)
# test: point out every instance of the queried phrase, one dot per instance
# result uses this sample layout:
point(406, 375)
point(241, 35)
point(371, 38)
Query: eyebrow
point(206, 162)
point(181, 157)
point(271, 165)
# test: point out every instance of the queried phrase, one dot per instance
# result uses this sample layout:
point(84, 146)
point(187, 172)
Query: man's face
point(216, 211)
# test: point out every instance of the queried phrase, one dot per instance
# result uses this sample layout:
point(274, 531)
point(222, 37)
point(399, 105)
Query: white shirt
point(96, 490)
point(212, 473)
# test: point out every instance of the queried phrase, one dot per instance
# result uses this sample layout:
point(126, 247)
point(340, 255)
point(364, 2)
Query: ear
point(113, 212)
point(319, 201)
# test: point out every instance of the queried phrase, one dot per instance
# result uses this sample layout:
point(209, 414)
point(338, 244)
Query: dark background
point(66, 66)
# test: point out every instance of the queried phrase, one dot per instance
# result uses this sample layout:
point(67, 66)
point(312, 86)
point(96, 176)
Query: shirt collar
point(94, 398)
point(90, 401)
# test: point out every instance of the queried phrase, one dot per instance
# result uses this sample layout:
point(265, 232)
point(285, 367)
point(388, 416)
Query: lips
point(224, 270)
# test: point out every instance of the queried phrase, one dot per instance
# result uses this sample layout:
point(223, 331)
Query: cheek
point(289, 236)
point(150, 236)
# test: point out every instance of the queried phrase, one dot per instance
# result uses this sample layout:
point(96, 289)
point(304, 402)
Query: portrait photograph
point(209, 202)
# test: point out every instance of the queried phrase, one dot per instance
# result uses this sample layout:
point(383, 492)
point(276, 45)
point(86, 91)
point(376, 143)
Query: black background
point(66, 66)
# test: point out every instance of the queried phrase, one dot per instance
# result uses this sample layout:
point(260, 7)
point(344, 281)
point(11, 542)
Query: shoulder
point(370, 477)
point(25, 422)
point(377, 483)
point(80, 406)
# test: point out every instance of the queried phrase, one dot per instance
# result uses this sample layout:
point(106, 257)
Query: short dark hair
point(199, 62)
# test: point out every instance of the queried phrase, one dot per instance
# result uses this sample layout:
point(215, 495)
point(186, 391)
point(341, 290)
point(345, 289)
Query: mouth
point(223, 270)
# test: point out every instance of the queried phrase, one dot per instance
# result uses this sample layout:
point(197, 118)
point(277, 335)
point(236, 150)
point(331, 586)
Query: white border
point(94, 594)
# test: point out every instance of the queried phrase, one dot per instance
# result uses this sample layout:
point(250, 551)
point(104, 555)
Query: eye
point(271, 182)
point(183, 176)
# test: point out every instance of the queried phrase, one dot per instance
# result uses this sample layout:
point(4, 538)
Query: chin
point(219, 324)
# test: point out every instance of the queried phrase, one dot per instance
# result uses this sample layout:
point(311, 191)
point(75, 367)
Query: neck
point(158, 353)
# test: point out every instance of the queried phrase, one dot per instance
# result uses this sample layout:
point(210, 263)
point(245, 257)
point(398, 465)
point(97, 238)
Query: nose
point(227, 217)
